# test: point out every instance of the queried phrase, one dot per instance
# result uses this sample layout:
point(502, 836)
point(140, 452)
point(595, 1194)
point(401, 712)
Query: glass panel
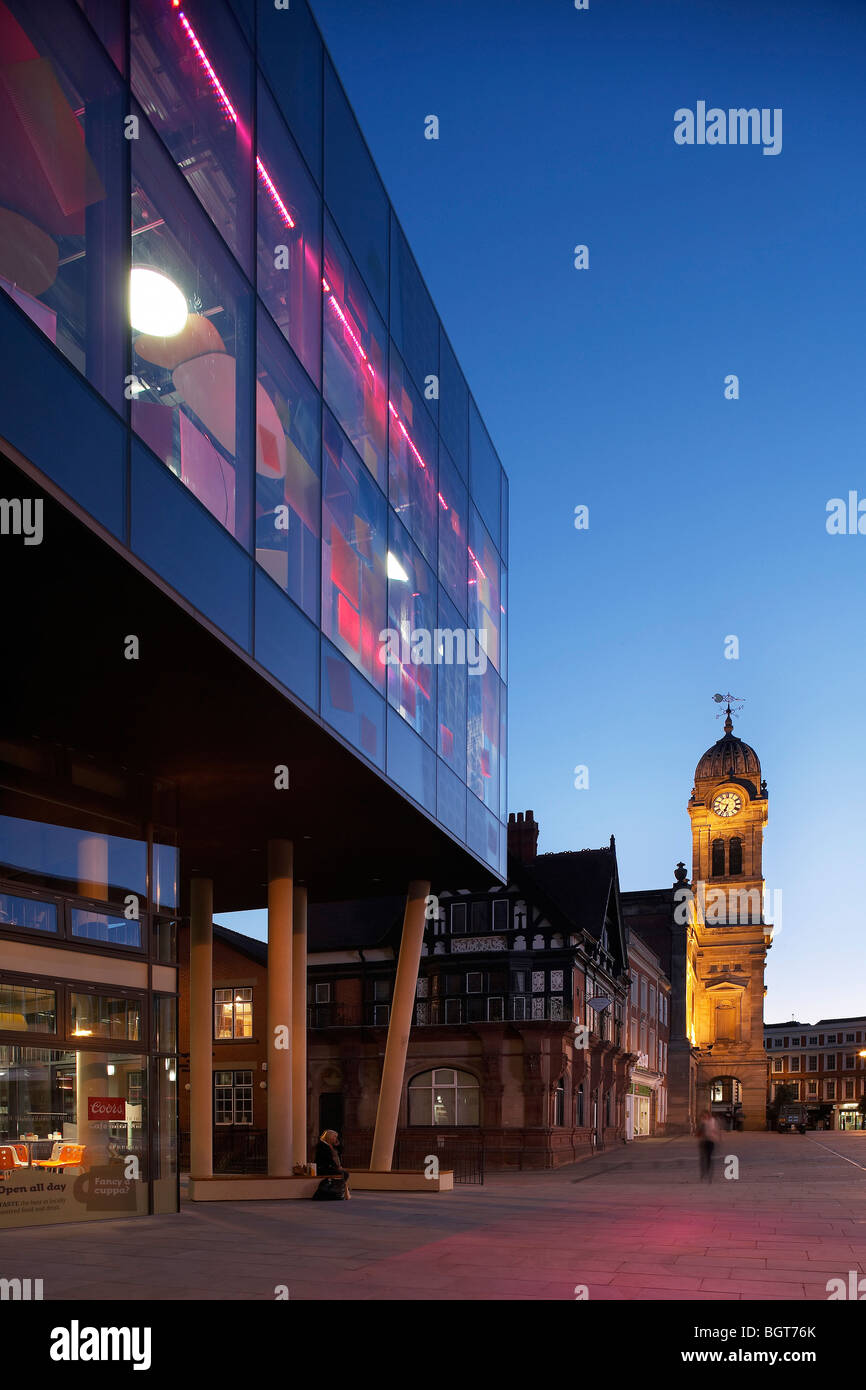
point(165, 1192)
point(482, 832)
point(355, 358)
point(411, 637)
point(193, 77)
point(100, 1016)
point(443, 1099)
point(190, 316)
point(503, 518)
point(411, 764)
point(353, 556)
point(165, 876)
point(165, 939)
point(420, 1104)
point(76, 1119)
point(412, 460)
point(286, 643)
point(289, 237)
point(26, 914)
point(97, 926)
point(290, 52)
point(450, 800)
point(453, 532)
point(182, 543)
point(483, 738)
point(61, 174)
point(414, 322)
point(453, 407)
point(165, 1022)
point(28, 1009)
point(484, 473)
point(451, 676)
point(484, 607)
point(503, 753)
point(352, 707)
point(467, 1111)
point(30, 848)
point(109, 22)
point(288, 450)
point(354, 192)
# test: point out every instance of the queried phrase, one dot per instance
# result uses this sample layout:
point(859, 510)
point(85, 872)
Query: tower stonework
point(726, 936)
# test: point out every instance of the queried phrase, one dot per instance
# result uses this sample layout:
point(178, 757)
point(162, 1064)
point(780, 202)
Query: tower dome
point(729, 757)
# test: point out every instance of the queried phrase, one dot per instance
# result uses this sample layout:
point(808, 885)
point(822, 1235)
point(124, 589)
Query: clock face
point(727, 804)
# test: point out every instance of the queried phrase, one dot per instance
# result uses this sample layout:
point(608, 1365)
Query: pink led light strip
point(266, 179)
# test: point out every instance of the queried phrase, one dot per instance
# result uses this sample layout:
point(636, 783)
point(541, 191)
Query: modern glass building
point(254, 532)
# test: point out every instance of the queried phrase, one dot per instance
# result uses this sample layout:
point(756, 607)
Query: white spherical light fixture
point(156, 305)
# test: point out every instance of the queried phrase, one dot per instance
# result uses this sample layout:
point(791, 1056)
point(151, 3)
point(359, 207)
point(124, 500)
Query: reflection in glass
point(287, 472)
point(26, 914)
point(453, 531)
point(485, 613)
point(412, 460)
point(28, 1009)
point(100, 1016)
point(412, 610)
point(97, 926)
point(289, 238)
point(483, 737)
point(33, 850)
point(355, 358)
point(193, 80)
point(452, 678)
point(187, 382)
point(61, 170)
point(353, 556)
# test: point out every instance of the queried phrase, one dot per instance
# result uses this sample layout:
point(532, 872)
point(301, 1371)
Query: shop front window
point(28, 1009)
point(101, 1016)
point(27, 914)
point(444, 1096)
point(73, 1135)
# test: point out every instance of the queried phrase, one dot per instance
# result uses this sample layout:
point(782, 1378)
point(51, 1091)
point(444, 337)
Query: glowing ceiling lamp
point(156, 305)
point(394, 569)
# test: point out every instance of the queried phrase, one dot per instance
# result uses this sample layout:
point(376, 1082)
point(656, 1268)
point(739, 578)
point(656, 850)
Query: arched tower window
point(718, 858)
point(735, 856)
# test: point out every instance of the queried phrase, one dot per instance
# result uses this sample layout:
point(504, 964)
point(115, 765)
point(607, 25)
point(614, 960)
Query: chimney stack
point(523, 837)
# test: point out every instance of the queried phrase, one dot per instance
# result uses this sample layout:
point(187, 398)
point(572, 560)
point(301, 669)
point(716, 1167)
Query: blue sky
point(606, 387)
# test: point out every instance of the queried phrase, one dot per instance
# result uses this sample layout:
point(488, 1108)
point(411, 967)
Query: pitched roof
point(578, 883)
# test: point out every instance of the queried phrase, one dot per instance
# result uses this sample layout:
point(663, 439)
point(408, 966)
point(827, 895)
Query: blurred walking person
point(708, 1138)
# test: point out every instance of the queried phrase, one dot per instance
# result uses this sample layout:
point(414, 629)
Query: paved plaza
point(633, 1223)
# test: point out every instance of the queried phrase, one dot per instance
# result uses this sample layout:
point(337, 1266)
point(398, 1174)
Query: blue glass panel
point(414, 322)
point(453, 407)
point(352, 707)
point(503, 753)
point(483, 832)
point(62, 161)
point(451, 800)
point(53, 851)
point(354, 191)
point(355, 358)
point(503, 519)
point(290, 53)
point(286, 643)
point(87, 461)
point(412, 461)
point(503, 625)
point(194, 384)
point(354, 545)
point(289, 237)
point(453, 532)
point(452, 677)
point(484, 474)
point(26, 914)
point(485, 610)
point(411, 764)
point(288, 454)
point(411, 623)
point(173, 534)
point(98, 926)
point(165, 876)
point(193, 75)
point(482, 741)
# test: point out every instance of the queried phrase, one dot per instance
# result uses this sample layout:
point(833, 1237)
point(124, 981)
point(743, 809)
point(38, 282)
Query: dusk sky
point(606, 387)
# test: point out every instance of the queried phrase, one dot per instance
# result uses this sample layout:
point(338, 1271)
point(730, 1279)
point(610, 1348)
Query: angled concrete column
point(201, 1028)
point(280, 874)
point(399, 1025)
point(299, 1025)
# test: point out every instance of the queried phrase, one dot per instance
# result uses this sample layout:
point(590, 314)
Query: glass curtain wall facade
point(201, 267)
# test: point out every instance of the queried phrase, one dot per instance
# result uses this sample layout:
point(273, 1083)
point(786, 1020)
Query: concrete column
point(201, 1028)
point(299, 1025)
point(400, 1023)
point(280, 1033)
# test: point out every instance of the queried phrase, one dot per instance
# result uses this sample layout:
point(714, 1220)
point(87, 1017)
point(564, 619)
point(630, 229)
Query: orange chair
point(9, 1160)
point(62, 1156)
point(23, 1154)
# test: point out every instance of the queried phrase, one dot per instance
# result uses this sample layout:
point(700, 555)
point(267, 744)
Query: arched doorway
point(725, 1100)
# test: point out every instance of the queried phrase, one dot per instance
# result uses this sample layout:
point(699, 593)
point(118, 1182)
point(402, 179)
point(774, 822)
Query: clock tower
point(727, 938)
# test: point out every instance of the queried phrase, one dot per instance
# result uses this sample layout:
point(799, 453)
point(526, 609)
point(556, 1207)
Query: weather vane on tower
point(738, 705)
